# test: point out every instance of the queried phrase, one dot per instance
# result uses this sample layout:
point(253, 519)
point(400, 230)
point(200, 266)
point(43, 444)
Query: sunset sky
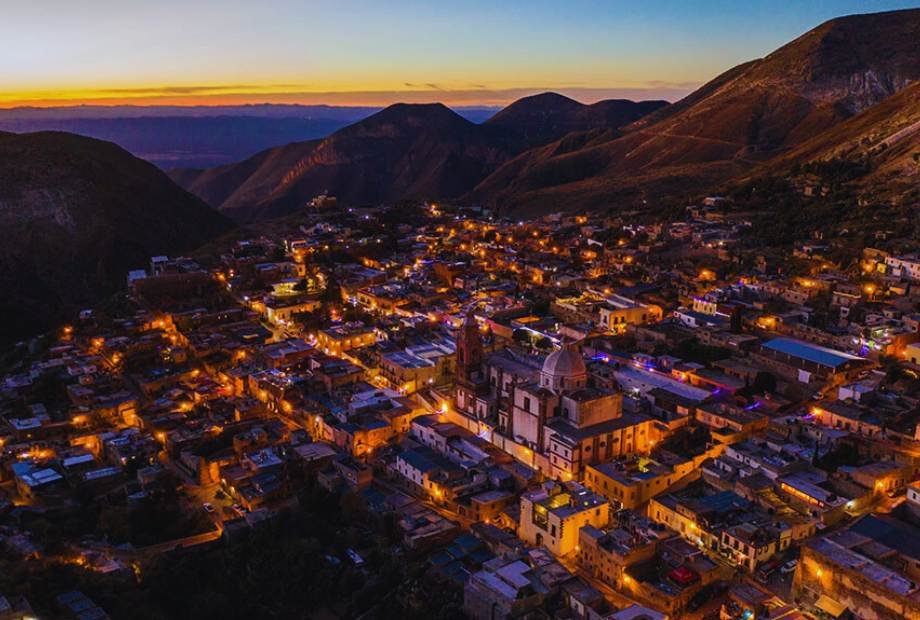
point(375, 52)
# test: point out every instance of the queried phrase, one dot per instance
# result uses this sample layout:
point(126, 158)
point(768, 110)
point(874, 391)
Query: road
point(145, 553)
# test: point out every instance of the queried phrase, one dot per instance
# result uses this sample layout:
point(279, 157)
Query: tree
point(522, 337)
point(764, 383)
point(544, 343)
point(333, 291)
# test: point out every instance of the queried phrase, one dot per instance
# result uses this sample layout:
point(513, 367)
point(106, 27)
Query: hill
point(878, 149)
point(197, 136)
point(77, 214)
point(749, 115)
point(185, 141)
point(548, 116)
point(403, 151)
point(406, 151)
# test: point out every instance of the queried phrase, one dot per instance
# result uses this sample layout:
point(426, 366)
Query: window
point(526, 404)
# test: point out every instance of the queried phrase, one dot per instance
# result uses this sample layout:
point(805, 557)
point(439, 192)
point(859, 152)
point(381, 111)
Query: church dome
point(566, 362)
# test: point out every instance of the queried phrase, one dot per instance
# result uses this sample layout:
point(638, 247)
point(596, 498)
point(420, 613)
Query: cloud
point(428, 85)
point(664, 84)
point(194, 89)
point(240, 94)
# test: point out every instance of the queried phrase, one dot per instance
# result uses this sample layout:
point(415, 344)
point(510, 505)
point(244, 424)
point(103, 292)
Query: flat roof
point(811, 352)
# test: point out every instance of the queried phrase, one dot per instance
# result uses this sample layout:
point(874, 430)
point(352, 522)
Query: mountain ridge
point(746, 116)
point(405, 151)
point(548, 116)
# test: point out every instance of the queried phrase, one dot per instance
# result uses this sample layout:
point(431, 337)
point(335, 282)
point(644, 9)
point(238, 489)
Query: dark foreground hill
point(77, 214)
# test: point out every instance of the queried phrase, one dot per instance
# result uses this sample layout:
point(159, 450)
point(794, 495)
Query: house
point(552, 515)
point(503, 589)
point(631, 483)
point(870, 569)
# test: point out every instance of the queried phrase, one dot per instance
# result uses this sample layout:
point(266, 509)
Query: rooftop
point(811, 352)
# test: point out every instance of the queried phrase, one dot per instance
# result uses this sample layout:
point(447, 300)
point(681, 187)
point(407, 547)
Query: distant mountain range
point(549, 152)
point(406, 151)
point(76, 215)
point(197, 136)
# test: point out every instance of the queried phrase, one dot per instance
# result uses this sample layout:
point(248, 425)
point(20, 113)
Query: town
point(581, 416)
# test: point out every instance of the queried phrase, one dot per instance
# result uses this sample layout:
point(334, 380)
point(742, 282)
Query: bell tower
point(469, 349)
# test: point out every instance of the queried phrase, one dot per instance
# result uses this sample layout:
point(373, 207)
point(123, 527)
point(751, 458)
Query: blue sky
point(364, 51)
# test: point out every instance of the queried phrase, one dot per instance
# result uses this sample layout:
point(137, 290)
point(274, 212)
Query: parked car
point(208, 508)
point(767, 569)
point(239, 509)
point(788, 567)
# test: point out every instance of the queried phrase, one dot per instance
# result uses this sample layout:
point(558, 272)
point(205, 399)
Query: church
point(550, 417)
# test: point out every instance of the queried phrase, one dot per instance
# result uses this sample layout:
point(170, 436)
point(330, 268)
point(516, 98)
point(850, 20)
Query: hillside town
point(578, 416)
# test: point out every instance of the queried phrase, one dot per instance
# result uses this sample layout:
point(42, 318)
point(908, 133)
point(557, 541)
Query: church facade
point(551, 418)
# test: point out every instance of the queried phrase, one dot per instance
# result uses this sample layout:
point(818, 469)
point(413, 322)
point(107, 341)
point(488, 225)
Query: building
point(907, 267)
point(912, 353)
point(723, 524)
point(631, 483)
point(504, 588)
point(281, 310)
point(345, 337)
point(427, 471)
point(618, 312)
point(552, 515)
point(607, 554)
point(871, 569)
point(558, 424)
point(470, 382)
point(807, 362)
point(846, 417)
point(417, 367)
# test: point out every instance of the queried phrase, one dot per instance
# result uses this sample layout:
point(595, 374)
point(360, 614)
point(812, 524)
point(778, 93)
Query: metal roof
point(811, 352)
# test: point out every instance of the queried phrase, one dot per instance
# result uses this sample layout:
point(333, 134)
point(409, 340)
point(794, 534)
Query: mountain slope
point(883, 140)
point(548, 116)
point(77, 214)
point(185, 141)
point(403, 152)
point(748, 115)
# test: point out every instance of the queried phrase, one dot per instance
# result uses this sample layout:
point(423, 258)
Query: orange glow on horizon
point(372, 95)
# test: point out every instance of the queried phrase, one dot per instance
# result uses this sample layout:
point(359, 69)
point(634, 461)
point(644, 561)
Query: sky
point(376, 52)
